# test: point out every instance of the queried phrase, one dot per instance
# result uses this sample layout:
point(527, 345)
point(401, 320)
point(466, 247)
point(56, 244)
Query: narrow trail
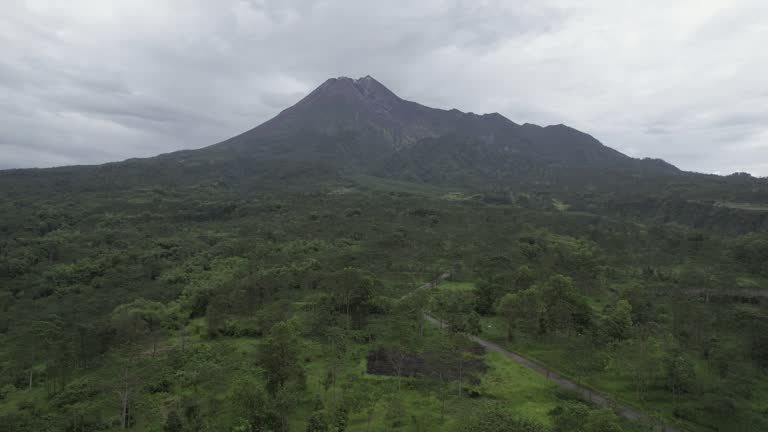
point(584, 392)
point(745, 293)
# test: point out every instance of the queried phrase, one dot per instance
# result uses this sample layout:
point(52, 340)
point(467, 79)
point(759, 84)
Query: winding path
point(586, 393)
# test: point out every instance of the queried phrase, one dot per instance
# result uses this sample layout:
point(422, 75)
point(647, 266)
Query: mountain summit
point(341, 106)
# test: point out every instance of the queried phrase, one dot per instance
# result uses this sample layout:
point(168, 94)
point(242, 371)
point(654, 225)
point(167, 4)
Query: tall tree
point(280, 356)
point(522, 309)
point(138, 318)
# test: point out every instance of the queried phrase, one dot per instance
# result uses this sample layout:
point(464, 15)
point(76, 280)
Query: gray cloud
point(89, 81)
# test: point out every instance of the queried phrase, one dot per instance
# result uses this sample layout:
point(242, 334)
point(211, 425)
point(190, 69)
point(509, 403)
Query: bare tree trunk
point(349, 318)
point(30, 379)
point(125, 409)
point(124, 393)
point(442, 397)
point(420, 320)
point(333, 384)
point(461, 368)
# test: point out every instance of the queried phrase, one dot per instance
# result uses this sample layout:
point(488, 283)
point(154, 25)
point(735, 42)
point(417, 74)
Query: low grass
point(387, 185)
point(456, 286)
point(743, 206)
point(556, 354)
point(527, 393)
point(559, 205)
point(418, 403)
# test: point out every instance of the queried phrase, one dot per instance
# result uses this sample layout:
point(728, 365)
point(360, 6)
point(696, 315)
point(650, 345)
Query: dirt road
point(585, 392)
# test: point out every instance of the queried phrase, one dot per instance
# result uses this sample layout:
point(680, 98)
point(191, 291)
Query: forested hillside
point(202, 309)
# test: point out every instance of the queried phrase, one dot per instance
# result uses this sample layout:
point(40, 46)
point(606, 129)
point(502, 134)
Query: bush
point(76, 391)
point(493, 417)
point(7, 390)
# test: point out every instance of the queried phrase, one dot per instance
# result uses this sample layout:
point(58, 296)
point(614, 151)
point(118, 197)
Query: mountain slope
point(349, 126)
point(360, 125)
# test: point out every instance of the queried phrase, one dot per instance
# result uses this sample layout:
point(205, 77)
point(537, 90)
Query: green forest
point(204, 307)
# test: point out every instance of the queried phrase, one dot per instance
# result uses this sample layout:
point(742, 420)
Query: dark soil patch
point(389, 362)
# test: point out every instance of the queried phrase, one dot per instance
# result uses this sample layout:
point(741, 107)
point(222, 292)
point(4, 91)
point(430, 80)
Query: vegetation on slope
point(213, 308)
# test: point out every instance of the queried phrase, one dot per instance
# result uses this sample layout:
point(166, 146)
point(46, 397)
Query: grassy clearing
point(418, 405)
point(743, 206)
point(528, 394)
point(455, 196)
point(559, 205)
point(556, 353)
point(457, 286)
point(386, 185)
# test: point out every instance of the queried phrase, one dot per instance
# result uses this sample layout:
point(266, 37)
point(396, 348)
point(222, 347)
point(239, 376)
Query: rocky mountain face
point(359, 125)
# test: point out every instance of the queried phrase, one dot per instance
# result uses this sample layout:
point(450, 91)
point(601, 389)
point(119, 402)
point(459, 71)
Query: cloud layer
point(89, 81)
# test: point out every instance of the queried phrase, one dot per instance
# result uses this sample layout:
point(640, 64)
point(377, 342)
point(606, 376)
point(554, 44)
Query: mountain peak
point(347, 91)
point(360, 122)
point(374, 89)
point(366, 89)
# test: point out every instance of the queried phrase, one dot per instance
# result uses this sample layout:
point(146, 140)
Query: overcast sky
point(90, 81)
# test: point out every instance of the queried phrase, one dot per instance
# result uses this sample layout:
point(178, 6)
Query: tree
point(487, 293)
point(619, 321)
point(359, 395)
point(521, 309)
point(394, 412)
point(280, 356)
point(336, 349)
point(524, 278)
point(128, 381)
point(351, 290)
point(641, 360)
point(531, 248)
point(440, 356)
point(565, 309)
point(460, 345)
point(173, 423)
point(339, 419)
point(751, 251)
point(139, 317)
point(317, 423)
point(282, 404)
point(259, 409)
point(416, 304)
point(458, 309)
point(759, 344)
point(679, 373)
point(579, 258)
